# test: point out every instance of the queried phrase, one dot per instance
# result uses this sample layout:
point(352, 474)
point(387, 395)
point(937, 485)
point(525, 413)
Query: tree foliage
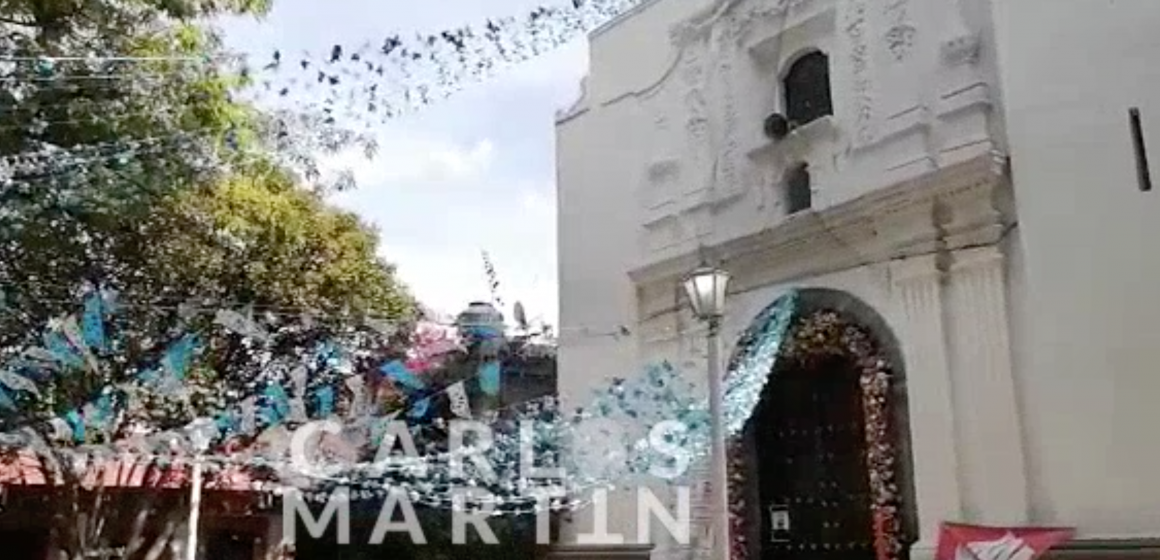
point(265, 241)
point(150, 178)
point(115, 165)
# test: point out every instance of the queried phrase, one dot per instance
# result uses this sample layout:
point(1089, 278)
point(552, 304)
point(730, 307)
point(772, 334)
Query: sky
point(472, 173)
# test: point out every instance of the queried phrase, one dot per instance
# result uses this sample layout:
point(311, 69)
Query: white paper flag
point(460, 406)
point(43, 357)
point(72, 331)
point(186, 310)
point(274, 442)
point(238, 323)
point(18, 382)
point(61, 431)
point(357, 386)
point(298, 376)
point(249, 421)
point(382, 327)
point(298, 411)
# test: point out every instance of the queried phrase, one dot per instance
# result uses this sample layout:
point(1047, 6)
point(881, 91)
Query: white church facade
point(959, 193)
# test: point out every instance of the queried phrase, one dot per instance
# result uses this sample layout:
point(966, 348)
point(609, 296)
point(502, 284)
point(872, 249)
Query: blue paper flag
point(379, 429)
point(225, 422)
point(31, 369)
point(419, 409)
point(93, 323)
point(489, 378)
point(179, 355)
point(485, 332)
point(74, 420)
point(329, 354)
point(276, 405)
point(6, 401)
point(397, 372)
point(149, 376)
point(102, 411)
point(324, 396)
point(62, 351)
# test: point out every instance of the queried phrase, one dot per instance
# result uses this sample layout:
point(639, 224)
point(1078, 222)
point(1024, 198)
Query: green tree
point(265, 241)
point(90, 151)
point(150, 178)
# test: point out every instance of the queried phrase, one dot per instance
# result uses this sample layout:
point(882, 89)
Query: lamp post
point(201, 432)
point(705, 288)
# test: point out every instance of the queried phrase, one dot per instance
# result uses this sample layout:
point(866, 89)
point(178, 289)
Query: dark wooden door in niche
point(24, 544)
point(813, 482)
point(228, 545)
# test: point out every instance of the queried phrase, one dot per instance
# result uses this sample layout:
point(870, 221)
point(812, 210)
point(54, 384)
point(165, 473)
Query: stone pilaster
point(701, 507)
point(918, 285)
point(989, 421)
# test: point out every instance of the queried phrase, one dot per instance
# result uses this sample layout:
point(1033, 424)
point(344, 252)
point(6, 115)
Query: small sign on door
point(779, 526)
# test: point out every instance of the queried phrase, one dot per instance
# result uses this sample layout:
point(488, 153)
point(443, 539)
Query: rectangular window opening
point(1143, 174)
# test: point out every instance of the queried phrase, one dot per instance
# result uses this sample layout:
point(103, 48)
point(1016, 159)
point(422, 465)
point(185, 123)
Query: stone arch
point(787, 62)
point(842, 324)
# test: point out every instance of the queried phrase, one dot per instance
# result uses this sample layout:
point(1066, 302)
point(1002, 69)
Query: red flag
point(975, 542)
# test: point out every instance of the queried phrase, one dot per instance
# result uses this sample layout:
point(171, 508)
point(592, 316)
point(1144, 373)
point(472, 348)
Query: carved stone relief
point(900, 40)
point(725, 51)
point(697, 123)
point(960, 44)
point(662, 176)
point(738, 17)
point(710, 102)
point(745, 20)
point(856, 30)
point(762, 180)
point(899, 37)
point(699, 151)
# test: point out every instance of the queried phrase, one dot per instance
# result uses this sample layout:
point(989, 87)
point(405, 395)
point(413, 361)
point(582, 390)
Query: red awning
point(127, 471)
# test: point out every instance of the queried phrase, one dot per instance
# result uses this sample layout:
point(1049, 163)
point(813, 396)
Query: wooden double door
point(813, 480)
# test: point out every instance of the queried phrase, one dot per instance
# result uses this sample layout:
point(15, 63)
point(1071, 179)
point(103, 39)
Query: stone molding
point(919, 286)
point(1106, 549)
point(993, 439)
point(599, 552)
point(952, 208)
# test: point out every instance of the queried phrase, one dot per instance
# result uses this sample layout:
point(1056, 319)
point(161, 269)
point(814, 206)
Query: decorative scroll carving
point(762, 180)
point(900, 40)
point(729, 144)
point(746, 20)
point(899, 36)
point(711, 108)
point(726, 13)
point(961, 45)
point(960, 50)
point(856, 26)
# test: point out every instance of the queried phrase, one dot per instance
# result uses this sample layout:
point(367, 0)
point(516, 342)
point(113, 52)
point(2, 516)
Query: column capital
point(923, 268)
point(988, 257)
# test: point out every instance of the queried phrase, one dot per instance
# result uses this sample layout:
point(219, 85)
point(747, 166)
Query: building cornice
point(620, 18)
point(961, 205)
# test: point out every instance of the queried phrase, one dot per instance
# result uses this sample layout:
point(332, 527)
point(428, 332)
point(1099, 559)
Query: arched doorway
point(822, 468)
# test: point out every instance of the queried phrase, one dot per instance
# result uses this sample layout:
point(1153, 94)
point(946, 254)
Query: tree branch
point(168, 535)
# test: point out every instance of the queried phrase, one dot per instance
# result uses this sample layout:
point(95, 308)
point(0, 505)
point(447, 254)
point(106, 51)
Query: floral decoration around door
point(817, 336)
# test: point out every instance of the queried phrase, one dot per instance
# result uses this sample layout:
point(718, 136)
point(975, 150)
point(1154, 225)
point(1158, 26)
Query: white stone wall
point(665, 152)
point(1028, 348)
point(1086, 344)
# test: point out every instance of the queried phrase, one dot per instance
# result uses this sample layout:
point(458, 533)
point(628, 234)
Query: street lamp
point(705, 288)
point(201, 433)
